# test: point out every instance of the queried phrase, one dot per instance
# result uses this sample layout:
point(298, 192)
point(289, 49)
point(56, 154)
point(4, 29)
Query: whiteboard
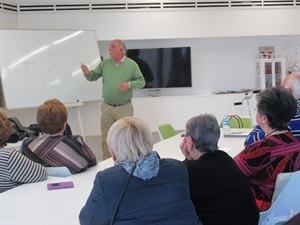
point(37, 65)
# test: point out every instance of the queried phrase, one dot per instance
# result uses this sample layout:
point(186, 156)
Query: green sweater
point(112, 76)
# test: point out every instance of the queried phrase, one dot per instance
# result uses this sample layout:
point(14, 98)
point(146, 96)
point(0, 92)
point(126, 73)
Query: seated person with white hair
point(152, 190)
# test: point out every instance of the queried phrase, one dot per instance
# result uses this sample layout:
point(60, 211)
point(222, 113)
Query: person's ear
point(190, 140)
point(290, 89)
point(190, 143)
point(113, 155)
point(265, 119)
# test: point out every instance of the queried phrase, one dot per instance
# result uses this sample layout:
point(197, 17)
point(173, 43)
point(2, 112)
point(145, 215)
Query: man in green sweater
point(120, 76)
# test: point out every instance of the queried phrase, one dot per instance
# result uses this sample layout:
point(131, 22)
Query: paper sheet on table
point(58, 171)
point(236, 134)
point(225, 149)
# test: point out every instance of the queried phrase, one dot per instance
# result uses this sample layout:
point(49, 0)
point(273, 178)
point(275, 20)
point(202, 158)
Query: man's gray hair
point(121, 44)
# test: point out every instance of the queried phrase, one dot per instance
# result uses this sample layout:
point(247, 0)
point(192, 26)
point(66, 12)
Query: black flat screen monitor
point(164, 67)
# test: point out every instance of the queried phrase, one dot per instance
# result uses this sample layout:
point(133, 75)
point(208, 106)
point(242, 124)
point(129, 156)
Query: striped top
point(67, 150)
point(16, 169)
point(257, 133)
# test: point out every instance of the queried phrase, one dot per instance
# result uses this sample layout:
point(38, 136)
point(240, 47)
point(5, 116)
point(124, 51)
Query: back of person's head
point(130, 139)
point(5, 128)
point(204, 131)
point(52, 116)
point(278, 105)
point(292, 83)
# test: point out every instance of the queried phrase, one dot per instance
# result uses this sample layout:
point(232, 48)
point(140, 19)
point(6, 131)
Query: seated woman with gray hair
point(292, 83)
point(219, 191)
point(140, 188)
point(278, 152)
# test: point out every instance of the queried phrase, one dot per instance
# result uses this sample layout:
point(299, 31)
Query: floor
point(95, 144)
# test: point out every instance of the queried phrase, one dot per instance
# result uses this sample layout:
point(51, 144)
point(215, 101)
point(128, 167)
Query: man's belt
point(115, 105)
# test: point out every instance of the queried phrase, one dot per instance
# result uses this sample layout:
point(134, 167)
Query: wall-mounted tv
point(164, 67)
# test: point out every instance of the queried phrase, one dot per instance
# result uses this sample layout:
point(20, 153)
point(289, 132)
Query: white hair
point(292, 83)
point(130, 139)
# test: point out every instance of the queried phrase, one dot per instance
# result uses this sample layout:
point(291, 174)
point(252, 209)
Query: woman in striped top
point(15, 169)
point(53, 148)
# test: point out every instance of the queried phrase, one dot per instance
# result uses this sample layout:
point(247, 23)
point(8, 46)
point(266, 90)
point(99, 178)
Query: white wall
point(8, 20)
point(220, 64)
point(224, 43)
point(170, 24)
point(154, 110)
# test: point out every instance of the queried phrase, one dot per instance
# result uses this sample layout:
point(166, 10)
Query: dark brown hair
point(5, 128)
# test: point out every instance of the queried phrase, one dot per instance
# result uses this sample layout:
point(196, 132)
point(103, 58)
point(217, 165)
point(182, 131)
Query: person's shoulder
point(73, 137)
point(129, 61)
point(111, 172)
point(221, 154)
point(209, 157)
point(214, 155)
point(256, 146)
point(114, 174)
point(172, 163)
point(297, 115)
point(106, 62)
point(109, 60)
point(295, 119)
point(7, 151)
point(10, 154)
point(30, 139)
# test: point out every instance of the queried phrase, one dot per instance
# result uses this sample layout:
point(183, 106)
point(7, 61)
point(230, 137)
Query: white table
point(33, 204)
point(169, 148)
point(16, 146)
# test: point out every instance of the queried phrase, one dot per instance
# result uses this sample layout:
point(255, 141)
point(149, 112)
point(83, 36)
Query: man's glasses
point(184, 135)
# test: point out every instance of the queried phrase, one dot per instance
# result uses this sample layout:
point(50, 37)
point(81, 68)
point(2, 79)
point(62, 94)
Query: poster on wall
point(266, 51)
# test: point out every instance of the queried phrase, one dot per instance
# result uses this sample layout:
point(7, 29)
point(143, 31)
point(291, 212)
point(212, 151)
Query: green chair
point(239, 122)
point(166, 131)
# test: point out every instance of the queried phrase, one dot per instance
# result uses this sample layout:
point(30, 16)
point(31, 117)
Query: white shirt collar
point(117, 64)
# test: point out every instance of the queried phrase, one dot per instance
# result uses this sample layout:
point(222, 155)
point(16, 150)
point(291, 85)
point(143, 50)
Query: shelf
point(270, 70)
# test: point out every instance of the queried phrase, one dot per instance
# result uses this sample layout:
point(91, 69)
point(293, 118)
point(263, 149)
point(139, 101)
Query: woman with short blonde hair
point(140, 188)
point(130, 139)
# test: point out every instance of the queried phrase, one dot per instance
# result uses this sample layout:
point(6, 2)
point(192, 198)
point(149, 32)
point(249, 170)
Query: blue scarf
point(146, 168)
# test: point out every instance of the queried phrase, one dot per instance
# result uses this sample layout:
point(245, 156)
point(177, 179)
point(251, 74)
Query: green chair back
point(239, 122)
point(166, 131)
